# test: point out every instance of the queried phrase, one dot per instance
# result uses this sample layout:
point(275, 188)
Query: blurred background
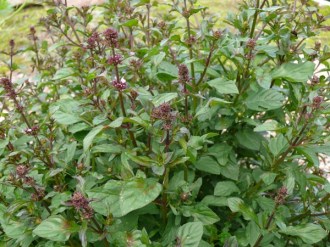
point(17, 16)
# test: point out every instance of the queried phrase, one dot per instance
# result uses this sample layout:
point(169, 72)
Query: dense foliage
point(136, 130)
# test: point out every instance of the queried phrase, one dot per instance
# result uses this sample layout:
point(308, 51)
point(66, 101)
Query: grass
point(17, 28)
point(324, 36)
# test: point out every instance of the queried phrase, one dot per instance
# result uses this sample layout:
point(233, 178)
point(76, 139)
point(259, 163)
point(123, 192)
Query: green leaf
point(167, 71)
point(163, 98)
point(231, 171)
point(267, 126)
point(121, 197)
point(225, 188)
point(224, 86)
point(190, 234)
point(157, 59)
point(70, 152)
point(277, 145)
point(13, 229)
point(231, 242)
point(252, 233)
point(215, 201)
point(63, 73)
point(107, 148)
point(116, 123)
point(55, 228)
point(264, 100)
point(327, 187)
point(204, 214)
point(249, 139)
point(208, 164)
point(294, 72)
point(88, 140)
point(266, 204)
point(234, 204)
point(65, 118)
point(309, 233)
point(268, 177)
point(131, 23)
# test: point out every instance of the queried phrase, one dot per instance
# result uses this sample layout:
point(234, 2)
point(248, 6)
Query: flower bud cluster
point(120, 85)
point(22, 172)
point(251, 44)
point(164, 113)
point(115, 60)
point(282, 193)
point(111, 37)
point(38, 195)
point(8, 86)
point(33, 131)
point(317, 101)
point(33, 34)
point(183, 74)
point(81, 203)
point(217, 34)
point(93, 40)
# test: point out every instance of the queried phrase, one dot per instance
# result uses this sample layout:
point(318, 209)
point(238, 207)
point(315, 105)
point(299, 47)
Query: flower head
point(164, 113)
point(11, 43)
point(120, 85)
point(183, 74)
point(111, 36)
point(315, 80)
point(81, 203)
point(317, 101)
point(282, 193)
point(8, 86)
point(93, 40)
point(251, 43)
point(33, 131)
point(22, 171)
point(115, 60)
point(317, 45)
point(38, 195)
point(217, 34)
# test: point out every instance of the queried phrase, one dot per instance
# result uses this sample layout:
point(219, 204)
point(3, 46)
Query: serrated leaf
point(208, 164)
point(234, 203)
point(249, 139)
point(107, 148)
point(294, 72)
point(190, 234)
point(204, 214)
point(309, 233)
point(266, 204)
point(224, 86)
point(230, 170)
point(131, 23)
point(88, 140)
point(264, 100)
point(163, 98)
point(268, 177)
point(70, 152)
point(252, 233)
point(65, 118)
point(225, 188)
point(277, 145)
point(157, 59)
point(122, 197)
point(116, 123)
point(267, 126)
point(63, 73)
point(54, 228)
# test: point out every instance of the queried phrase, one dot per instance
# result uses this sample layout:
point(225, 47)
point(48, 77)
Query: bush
point(137, 131)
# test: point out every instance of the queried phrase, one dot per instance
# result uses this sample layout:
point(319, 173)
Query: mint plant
point(136, 130)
